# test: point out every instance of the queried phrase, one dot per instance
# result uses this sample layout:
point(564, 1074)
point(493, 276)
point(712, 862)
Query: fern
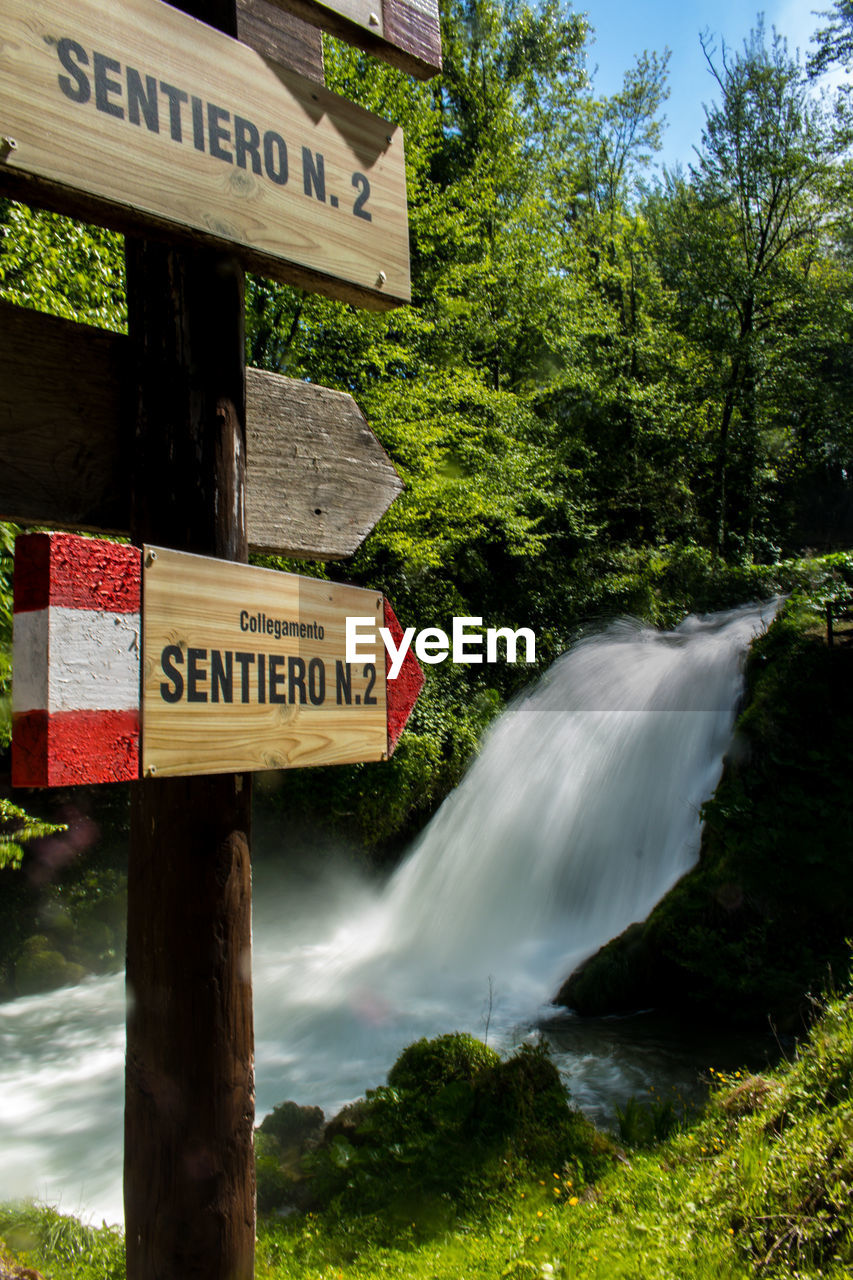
point(17, 828)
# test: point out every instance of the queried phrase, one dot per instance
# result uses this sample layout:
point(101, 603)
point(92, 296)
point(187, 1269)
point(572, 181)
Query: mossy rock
point(39, 968)
point(290, 1124)
point(616, 979)
point(427, 1066)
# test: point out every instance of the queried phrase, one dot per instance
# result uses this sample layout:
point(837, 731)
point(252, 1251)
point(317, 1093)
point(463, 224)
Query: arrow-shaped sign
point(238, 668)
point(317, 477)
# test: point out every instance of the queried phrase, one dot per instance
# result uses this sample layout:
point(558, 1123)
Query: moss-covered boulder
point(428, 1066)
point(454, 1123)
point(40, 967)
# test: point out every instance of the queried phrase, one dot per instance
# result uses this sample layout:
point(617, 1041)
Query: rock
point(38, 967)
point(619, 978)
point(291, 1124)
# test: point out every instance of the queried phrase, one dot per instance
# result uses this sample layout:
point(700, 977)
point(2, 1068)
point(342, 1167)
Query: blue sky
point(623, 29)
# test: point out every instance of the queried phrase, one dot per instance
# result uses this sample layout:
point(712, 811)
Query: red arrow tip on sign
point(401, 694)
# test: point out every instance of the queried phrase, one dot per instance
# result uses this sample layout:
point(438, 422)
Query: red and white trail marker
point(240, 668)
point(75, 691)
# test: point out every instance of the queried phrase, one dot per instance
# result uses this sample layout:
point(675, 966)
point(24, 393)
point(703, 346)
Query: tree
point(738, 241)
point(834, 41)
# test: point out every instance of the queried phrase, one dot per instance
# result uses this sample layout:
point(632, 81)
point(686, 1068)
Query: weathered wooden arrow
point(318, 479)
point(405, 33)
point(240, 668)
point(281, 36)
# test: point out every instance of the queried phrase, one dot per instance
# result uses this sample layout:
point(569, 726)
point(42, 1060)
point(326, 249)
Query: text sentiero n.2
point(432, 644)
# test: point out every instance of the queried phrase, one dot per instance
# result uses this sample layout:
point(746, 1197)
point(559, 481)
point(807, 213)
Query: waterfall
point(579, 813)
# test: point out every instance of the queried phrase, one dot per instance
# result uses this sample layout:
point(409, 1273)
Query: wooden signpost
point(281, 36)
point(150, 662)
point(317, 479)
point(138, 116)
point(405, 33)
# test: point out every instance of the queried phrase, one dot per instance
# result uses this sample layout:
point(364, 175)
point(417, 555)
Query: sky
point(624, 28)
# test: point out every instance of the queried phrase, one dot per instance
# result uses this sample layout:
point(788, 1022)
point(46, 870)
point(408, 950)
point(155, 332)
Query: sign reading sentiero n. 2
point(244, 668)
point(147, 117)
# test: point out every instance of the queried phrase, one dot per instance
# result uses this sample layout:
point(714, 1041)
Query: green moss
point(39, 968)
point(428, 1066)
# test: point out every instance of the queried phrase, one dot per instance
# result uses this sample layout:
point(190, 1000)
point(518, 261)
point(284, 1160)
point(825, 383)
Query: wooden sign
point(244, 669)
point(136, 115)
point(317, 478)
point(282, 37)
point(406, 33)
point(239, 669)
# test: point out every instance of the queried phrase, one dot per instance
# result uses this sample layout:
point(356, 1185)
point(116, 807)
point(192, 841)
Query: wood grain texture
point(192, 606)
point(129, 113)
point(414, 25)
point(282, 37)
point(189, 1186)
point(406, 33)
point(189, 1112)
point(317, 478)
point(64, 425)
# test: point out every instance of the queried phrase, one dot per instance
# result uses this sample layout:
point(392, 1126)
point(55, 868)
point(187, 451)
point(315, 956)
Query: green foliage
point(834, 41)
point(274, 1185)
point(643, 1122)
point(600, 388)
point(17, 828)
point(426, 1067)
point(454, 1126)
point(54, 264)
point(758, 1185)
point(39, 967)
point(60, 1246)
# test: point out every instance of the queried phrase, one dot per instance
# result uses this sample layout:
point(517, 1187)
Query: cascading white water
point(580, 812)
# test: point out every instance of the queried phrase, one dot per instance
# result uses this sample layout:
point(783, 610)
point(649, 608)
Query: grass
point(761, 1185)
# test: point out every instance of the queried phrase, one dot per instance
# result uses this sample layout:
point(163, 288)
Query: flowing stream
point(581, 810)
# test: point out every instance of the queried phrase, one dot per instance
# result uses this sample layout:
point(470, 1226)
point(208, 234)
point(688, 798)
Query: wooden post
point(189, 1113)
